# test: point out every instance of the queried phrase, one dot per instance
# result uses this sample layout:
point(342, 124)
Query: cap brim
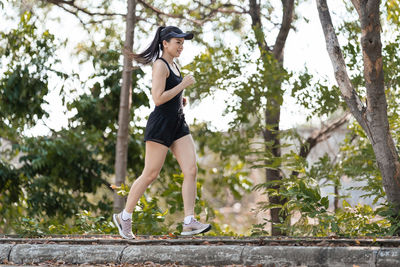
point(187, 36)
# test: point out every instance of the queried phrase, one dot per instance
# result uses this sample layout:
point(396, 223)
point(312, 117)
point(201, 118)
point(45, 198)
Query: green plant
point(148, 218)
point(259, 229)
point(30, 227)
point(83, 222)
point(305, 202)
point(89, 224)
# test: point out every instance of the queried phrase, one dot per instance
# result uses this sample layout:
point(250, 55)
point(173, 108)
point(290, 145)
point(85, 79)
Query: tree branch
point(227, 5)
point(72, 8)
point(255, 14)
point(159, 12)
point(61, 3)
point(321, 135)
point(288, 8)
point(356, 4)
point(350, 96)
point(75, 14)
point(106, 183)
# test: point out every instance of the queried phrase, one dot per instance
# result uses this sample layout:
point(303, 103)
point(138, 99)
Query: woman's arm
point(160, 74)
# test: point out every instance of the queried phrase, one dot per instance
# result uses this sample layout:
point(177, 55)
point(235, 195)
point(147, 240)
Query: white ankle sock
point(188, 219)
point(126, 215)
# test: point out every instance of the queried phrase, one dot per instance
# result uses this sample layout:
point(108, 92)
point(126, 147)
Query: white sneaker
point(195, 227)
point(124, 226)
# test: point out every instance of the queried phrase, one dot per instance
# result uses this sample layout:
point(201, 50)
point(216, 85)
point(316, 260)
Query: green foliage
point(12, 182)
point(359, 164)
point(222, 230)
point(97, 111)
point(388, 212)
point(348, 221)
point(259, 229)
point(319, 97)
point(393, 11)
point(169, 187)
point(59, 171)
point(172, 191)
point(391, 53)
point(82, 223)
point(148, 217)
point(29, 56)
point(355, 161)
point(250, 83)
point(86, 223)
point(30, 228)
point(254, 84)
point(316, 96)
point(313, 218)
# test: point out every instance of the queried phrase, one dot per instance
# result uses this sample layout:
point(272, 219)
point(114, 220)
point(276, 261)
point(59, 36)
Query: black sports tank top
point(174, 105)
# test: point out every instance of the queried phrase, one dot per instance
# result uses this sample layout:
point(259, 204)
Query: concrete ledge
point(71, 254)
point(185, 255)
point(200, 251)
point(5, 250)
point(311, 256)
point(267, 256)
point(388, 257)
point(199, 255)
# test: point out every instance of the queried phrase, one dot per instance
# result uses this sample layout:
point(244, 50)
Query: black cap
point(174, 32)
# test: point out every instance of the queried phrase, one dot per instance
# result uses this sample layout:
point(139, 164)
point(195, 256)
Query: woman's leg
point(154, 160)
point(185, 153)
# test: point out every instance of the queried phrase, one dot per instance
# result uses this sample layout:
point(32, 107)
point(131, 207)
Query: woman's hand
point(188, 80)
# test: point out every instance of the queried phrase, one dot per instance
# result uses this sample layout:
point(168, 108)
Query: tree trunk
point(121, 152)
point(273, 108)
point(373, 115)
point(272, 119)
point(336, 198)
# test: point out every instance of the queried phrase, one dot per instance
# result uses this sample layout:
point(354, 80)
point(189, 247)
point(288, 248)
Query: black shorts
point(165, 128)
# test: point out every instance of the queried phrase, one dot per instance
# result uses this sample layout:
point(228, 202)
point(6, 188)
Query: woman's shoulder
point(160, 66)
point(159, 62)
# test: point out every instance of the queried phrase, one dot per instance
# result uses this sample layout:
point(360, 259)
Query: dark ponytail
point(152, 52)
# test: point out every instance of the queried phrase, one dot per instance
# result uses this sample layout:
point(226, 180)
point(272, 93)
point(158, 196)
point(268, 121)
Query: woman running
point(166, 129)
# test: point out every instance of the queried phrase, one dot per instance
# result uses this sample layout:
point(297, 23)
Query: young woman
point(166, 129)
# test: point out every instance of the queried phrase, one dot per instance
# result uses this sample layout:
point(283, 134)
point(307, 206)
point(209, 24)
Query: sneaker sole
point(199, 231)
point(119, 228)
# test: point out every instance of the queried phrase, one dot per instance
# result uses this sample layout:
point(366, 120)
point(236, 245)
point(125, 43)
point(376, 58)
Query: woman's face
point(174, 47)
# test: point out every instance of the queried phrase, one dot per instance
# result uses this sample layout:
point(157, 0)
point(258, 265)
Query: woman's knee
point(190, 171)
point(150, 175)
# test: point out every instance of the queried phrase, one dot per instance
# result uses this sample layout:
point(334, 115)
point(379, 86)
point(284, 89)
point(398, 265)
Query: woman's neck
point(168, 58)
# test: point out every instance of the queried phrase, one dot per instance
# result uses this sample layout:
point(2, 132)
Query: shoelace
point(196, 222)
